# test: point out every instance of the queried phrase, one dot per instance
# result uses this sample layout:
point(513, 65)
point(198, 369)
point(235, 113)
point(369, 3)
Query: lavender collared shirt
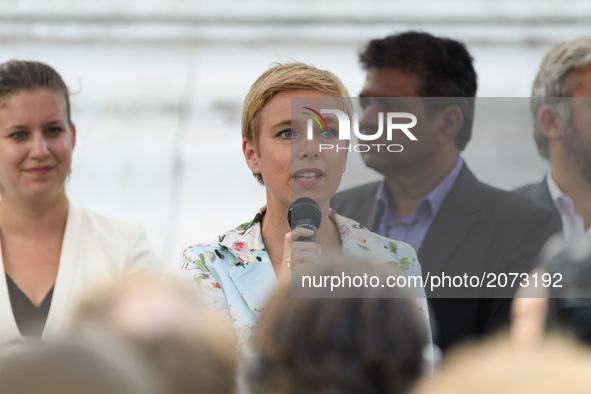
point(413, 228)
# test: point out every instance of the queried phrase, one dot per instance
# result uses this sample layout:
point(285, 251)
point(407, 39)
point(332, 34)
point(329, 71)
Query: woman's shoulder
point(202, 255)
point(401, 251)
point(99, 221)
point(120, 242)
point(236, 247)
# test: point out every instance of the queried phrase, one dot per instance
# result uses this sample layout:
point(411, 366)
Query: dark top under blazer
point(478, 226)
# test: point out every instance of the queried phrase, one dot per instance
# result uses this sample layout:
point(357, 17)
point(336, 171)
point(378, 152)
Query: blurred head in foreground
point(17, 345)
point(72, 368)
point(562, 299)
point(164, 319)
point(556, 365)
point(339, 345)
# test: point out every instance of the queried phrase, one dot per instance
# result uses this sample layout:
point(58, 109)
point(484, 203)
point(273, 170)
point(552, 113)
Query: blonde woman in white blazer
point(51, 250)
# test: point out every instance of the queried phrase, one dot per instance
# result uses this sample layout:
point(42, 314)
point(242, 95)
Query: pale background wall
point(159, 85)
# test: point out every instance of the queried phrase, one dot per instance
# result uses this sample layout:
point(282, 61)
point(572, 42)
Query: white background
point(158, 88)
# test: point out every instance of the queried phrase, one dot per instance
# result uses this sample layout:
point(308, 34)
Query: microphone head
point(304, 210)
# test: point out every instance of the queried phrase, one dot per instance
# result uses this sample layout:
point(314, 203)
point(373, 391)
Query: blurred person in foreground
point(361, 341)
point(561, 110)
point(187, 347)
point(556, 365)
point(558, 295)
point(239, 271)
point(16, 345)
point(429, 197)
point(51, 250)
point(73, 368)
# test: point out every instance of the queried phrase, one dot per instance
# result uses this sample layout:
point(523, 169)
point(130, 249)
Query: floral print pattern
point(236, 275)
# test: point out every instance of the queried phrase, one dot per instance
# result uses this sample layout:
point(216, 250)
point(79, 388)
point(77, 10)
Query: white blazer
point(95, 248)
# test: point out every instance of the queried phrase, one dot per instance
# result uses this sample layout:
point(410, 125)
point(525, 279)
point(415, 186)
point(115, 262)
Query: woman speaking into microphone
point(240, 269)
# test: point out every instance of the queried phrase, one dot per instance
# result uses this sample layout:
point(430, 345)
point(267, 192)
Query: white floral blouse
point(237, 276)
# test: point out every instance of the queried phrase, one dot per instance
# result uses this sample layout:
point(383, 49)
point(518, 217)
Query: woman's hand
point(296, 253)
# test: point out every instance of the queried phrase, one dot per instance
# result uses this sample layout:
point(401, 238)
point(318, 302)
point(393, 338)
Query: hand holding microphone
point(304, 217)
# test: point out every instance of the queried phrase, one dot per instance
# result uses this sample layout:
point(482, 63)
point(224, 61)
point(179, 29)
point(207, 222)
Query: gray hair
point(551, 83)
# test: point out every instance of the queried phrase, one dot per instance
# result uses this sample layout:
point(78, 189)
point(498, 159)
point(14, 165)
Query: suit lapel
point(8, 328)
point(370, 211)
point(545, 197)
point(452, 224)
point(65, 282)
point(367, 208)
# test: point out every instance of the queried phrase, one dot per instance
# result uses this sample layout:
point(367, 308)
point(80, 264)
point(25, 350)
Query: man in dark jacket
point(562, 130)
point(429, 197)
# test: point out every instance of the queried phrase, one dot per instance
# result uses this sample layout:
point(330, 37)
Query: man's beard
point(578, 151)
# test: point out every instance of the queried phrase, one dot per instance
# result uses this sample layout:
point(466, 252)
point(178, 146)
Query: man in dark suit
point(563, 134)
point(429, 198)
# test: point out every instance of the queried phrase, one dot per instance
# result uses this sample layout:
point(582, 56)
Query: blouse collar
point(246, 240)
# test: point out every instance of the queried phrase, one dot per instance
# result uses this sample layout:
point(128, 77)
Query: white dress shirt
point(95, 249)
point(573, 225)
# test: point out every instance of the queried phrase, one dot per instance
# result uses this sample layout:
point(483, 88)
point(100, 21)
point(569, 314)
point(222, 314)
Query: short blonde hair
point(282, 77)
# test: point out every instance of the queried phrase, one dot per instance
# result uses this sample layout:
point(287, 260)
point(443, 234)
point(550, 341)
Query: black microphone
point(305, 212)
